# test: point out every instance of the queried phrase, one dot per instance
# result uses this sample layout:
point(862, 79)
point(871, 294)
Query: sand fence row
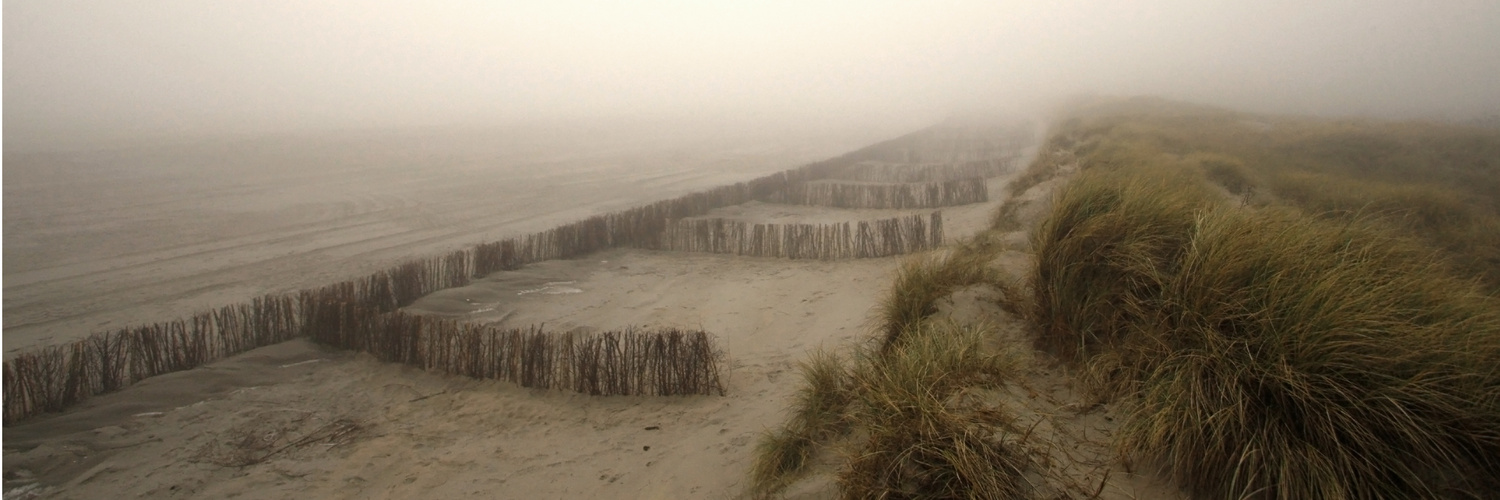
point(54, 377)
point(665, 362)
point(863, 239)
point(628, 362)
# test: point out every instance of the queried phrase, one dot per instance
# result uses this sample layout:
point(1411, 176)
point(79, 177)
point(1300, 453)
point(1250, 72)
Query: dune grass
point(1264, 352)
point(1053, 155)
point(896, 405)
point(1284, 308)
point(921, 439)
point(818, 414)
point(1439, 183)
point(923, 279)
point(914, 435)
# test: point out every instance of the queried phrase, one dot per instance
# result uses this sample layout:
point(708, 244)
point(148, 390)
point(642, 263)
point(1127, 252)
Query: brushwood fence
point(941, 172)
point(898, 196)
point(666, 362)
point(640, 227)
point(864, 239)
point(54, 377)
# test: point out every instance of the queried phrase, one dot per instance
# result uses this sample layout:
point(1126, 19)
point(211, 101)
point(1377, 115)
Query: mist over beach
point(673, 249)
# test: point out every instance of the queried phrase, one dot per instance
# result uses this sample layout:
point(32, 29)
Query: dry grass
point(1228, 172)
point(922, 437)
point(1266, 353)
point(914, 432)
point(1437, 182)
point(819, 413)
point(1108, 235)
point(900, 402)
point(922, 280)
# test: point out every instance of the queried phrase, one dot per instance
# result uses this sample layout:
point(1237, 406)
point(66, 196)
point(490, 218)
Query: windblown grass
point(1007, 216)
point(922, 280)
point(1108, 235)
point(818, 414)
point(899, 404)
point(921, 438)
point(1437, 182)
point(1229, 173)
point(916, 435)
point(1266, 353)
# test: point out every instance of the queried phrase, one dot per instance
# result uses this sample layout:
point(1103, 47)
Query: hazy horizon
point(82, 74)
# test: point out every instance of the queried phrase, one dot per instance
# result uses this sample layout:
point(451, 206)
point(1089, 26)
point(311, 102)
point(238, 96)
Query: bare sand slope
point(100, 240)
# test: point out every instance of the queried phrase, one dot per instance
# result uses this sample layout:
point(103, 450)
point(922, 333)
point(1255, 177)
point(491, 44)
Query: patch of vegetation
point(1439, 183)
point(922, 439)
point(1331, 345)
point(917, 435)
point(921, 281)
point(1229, 173)
point(1048, 165)
point(899, 402)
point(819, 414)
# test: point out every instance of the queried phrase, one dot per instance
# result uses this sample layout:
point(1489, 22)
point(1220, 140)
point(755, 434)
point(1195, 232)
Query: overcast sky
point(186, 67)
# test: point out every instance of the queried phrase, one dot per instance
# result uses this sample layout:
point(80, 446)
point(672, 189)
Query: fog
point(80, 73)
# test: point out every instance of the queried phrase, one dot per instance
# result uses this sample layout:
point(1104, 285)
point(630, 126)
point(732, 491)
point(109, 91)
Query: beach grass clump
point(781, 456)
point(1444, 216)
point(922, 280)
point(1437, 182)
point(1107, 238)
point(818, 414)
point(1008, 216)
point(1268, 353)
point(1055, 153)
point(921, 437)
point(909, 425)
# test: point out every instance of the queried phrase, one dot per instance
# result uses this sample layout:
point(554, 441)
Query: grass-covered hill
point(1277, 307)
point(1291, 308)
point(1438, 183)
